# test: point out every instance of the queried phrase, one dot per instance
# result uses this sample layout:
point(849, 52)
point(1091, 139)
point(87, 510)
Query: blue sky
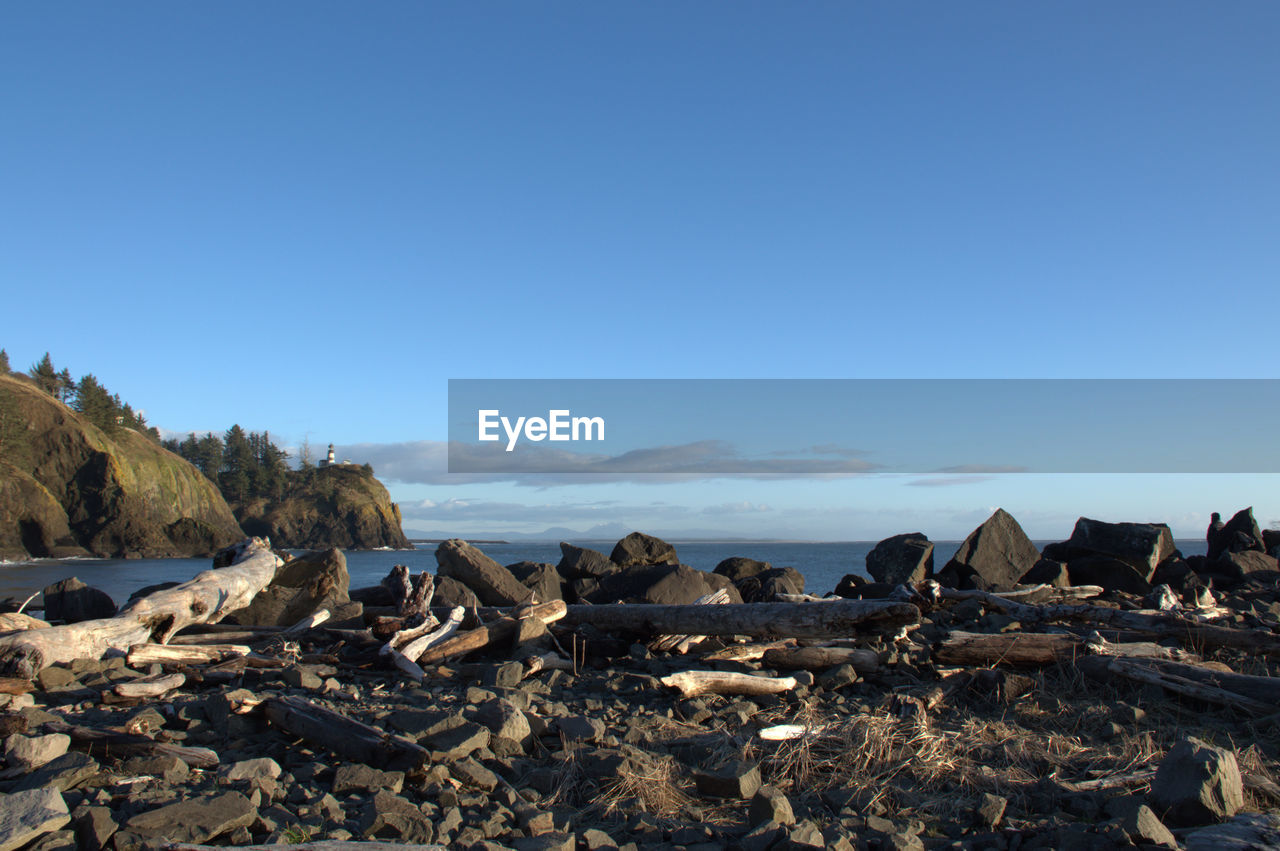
point(308, 217)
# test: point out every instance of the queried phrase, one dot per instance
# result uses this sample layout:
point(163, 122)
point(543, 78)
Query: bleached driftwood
point(841, 618)
point(150, 686)
point(190, 654)
point(682, 643)
point(311, 621)
point(691, 683)
point(414, 649)
point(209, 597)
point(748, 652)
point(813, 658)
point(478, 639)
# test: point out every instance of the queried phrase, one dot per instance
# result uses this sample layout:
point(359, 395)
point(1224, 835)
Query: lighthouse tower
point(328, 461)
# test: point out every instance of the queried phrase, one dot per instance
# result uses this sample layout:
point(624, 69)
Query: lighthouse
point(328, 461)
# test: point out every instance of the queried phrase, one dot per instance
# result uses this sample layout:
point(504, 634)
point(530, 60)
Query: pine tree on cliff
point(96, 404)
point(238, 463)
point(46, 377)
point(4, 362)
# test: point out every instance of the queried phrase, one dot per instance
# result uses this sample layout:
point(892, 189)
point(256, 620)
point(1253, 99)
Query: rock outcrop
point(902, 558)
point(68, 488)
point(994, 556)
point(342, 506)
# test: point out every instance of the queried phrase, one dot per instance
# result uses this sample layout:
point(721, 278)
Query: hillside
point(68, 488)
point(341, 506)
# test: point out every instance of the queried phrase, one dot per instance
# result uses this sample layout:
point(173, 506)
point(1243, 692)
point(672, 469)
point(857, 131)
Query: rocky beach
point(1100, 692)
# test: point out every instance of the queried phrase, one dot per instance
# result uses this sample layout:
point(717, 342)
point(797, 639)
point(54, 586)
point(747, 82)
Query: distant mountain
point(599, 532)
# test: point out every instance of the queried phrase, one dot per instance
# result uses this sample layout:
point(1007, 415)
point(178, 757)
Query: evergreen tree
point(66, 389)
point(4, 362)
point(238, 463)
point(208, 456)
point(273, 469)
point(98, 406)
point(46, 377)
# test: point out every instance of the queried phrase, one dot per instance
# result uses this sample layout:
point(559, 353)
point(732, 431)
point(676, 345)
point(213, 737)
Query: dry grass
point(653, 786)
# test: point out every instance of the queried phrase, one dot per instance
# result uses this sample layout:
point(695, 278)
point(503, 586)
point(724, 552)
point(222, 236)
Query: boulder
point(311, 582)
point(1112, 574)
point(583, 563)
point(765, 586)
point(639, 548)
point(1140, 545)
point(505, 720)
point(731, 780)
point(737, 568)
point(72, 601)
point(543, 579)
point(491, 582)
point(993, 558)
point(1047, 571)
point(25, 816)
point(1196, 784)
point(665, 584)
point(1238, 534)
point(23, 753)
point(906, 558)
point(1238, 565)
point(450, 592)
point(197, 819)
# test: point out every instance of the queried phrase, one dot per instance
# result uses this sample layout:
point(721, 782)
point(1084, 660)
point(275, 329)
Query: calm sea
point(823, 564)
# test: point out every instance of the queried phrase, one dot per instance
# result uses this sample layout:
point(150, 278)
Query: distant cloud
point(948, 481)
point(983, 468)
point(427, 462)
point(744, 507)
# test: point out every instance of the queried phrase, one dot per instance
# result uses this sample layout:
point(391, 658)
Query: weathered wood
point(15, 685)
point(319, 845)
point(814, 658)
point(681, 643)
point(478, 639)
point(797, 620)
point(1160, 624)
point(167, 654)
point(344, 736)
point(1249, 693)
point(210, 596)
point(114, 742)
point(748, 652)
point(16, 621)
point(420, 645)
point(1115, 781)
point(150, 686)
point(1038, 649)
point(311, 621)
point(691, 683)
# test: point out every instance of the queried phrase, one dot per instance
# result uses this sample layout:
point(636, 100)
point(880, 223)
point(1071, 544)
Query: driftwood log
point(114, 742)
point(797, 620)
point(1038, 649)
point(478, 639)
point(209, 597)
point(814, 658)
point(691, 683)
point(346, 737)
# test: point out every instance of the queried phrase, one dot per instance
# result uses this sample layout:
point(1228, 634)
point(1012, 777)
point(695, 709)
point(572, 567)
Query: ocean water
point(823, 564)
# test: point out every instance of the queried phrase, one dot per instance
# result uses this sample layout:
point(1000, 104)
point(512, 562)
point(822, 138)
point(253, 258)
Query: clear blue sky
point(306, 217)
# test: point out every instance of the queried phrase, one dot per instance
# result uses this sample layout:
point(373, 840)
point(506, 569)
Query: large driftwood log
point(1159, 624)
point(691, 683)
point(1038, 649)
point(209, 597)
point(201, 654)
point(797, 620)
point(814, 658)
point(345, 736)
point(478, 639)
point(114, 742)
point(1240, 691)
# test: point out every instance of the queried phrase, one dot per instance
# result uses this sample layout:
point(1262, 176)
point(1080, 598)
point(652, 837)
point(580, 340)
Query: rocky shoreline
point(1105, 692)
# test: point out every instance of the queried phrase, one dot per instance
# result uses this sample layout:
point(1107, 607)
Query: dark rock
point(1175, 572)
point(543, 579)
point(170, 769)
point(906, 558)
point(251, 770)
point(473, 774)
point(1239, 564)
point(450, 592)
point(306, 584)
point(1239, 534)
point(855, 587)
point(388, 816)
point(27, 815)
point(579, 728)
point(737, 568)
point(378, 595)
point(456, 742)
point(1245, 832)
point(764, 587)
point(583, 563)
point(993, 558)
point(66, 772)
point(491, 582)
point(503, 675)
point(639, 548)
point(731, 780)
point(769, 804)
point(94, 828)
point(1196, 784)
point(665, 584)
point(1140, 545)
point(990, 809)
point(196, 820)
point(504, 719)
point(72, 601)
point(360, 778)
point(1142, 826)
point(1110, 573)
